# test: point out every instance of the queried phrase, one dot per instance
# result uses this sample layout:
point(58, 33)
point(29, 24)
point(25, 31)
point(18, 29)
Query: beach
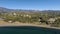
point(4, 24)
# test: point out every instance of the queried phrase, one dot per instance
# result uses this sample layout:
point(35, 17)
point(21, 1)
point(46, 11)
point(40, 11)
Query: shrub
point(56, 23)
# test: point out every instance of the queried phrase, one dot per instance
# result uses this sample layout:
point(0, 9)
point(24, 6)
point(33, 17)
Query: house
point(51, 20)
point(14, 14)
point(10, 21)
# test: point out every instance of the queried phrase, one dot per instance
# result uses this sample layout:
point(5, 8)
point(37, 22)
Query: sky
point(31, 4)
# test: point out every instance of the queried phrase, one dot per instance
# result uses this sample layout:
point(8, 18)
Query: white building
point(14, 14)
point(51, 20)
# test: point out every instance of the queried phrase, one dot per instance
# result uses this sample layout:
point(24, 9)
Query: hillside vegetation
point(48, 17)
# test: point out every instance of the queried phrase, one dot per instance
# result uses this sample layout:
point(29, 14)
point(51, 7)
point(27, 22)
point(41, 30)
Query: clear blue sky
point(31, 4)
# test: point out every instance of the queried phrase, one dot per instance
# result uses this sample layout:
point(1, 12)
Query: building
point(51, 20)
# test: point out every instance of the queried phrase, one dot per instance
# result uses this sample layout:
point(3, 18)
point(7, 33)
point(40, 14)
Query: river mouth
point(27, 30)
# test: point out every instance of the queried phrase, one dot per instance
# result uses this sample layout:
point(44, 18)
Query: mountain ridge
point(3, 9)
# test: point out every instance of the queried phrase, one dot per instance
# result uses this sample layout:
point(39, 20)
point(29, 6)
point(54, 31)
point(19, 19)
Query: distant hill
point(2, 9)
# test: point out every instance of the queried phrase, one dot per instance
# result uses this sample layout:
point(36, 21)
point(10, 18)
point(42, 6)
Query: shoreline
point(26, 24)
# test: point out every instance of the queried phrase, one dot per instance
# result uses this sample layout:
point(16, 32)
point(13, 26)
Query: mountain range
point(2, 9)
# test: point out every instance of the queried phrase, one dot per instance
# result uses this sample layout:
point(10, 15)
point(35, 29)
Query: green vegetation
point(56, 23)
point(32, 17)
point(24, 18)
point(48, 17)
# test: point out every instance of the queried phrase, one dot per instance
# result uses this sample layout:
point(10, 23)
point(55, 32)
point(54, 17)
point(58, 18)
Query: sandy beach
point(3, 24)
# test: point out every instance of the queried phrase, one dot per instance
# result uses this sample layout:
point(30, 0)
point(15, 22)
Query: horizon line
point(28, 9)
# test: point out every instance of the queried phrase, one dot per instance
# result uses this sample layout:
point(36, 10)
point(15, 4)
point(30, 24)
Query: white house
point(51, 20)
point(14, 14)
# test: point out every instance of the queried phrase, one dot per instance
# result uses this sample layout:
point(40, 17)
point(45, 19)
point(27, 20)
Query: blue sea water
point(27, 30)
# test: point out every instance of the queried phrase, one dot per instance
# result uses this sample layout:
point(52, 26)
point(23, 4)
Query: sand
point(4, 24)
point(26, 24)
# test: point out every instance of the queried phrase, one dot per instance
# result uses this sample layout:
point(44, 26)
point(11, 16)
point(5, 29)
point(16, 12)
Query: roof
point(52, 19)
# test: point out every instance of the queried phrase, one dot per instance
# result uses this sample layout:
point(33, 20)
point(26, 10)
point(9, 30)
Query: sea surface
point(27, 30)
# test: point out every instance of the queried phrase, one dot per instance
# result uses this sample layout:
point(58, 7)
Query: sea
point(27, 30)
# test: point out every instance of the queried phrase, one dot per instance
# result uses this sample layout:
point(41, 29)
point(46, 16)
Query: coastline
point(27, 24)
